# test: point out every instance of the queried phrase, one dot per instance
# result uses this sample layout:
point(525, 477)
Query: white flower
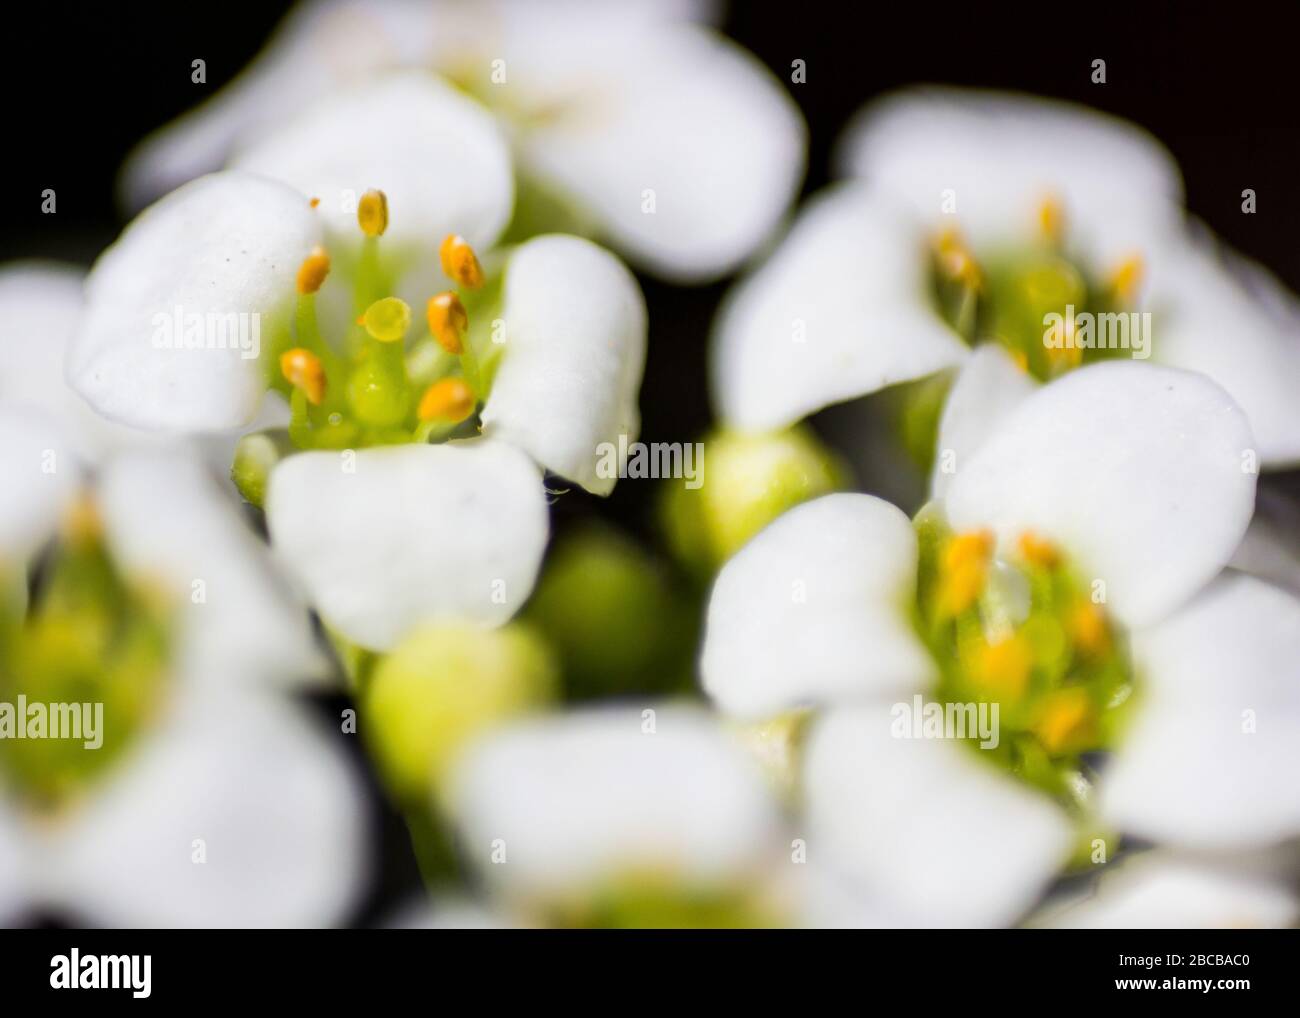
point(214, 767)
point(969, 218)
point(1128, 476)
point(558, 811)
point(683, 149)
point(380, 538)
point(231, 810)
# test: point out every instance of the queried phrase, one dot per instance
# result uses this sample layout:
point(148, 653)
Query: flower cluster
point(302, 425)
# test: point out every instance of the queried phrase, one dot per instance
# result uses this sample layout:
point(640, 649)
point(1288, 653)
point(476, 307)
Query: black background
point(1216, 83)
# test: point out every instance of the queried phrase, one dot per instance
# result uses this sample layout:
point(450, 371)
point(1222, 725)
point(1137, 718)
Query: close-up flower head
point(517, 465)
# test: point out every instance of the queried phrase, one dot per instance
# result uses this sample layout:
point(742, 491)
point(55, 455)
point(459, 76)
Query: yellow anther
point(303, 370)
point(459, 261)
point(82, 523)
point(387, 319)
point(1087, 628)
point(955, 259)
point(963, 571)
point(448, 399)
point(315, 202)
point(313, 270)
point(1067, 355)
point(1127, 277)
point(1021, 359)
point(372, 213)
point(1067, 722)
point(1051, 219)
point(1002, 668)
point(448, 321)
point(1038, 551)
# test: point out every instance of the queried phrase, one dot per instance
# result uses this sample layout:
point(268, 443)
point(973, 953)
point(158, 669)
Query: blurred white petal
point(402, 535)
point(1163, 891)
point(987, 387)
point(587, 795)
point(841, 310)
point(39, 475)
point(923, 826)
point(279, 811)
point(224, 245)
point(1221, 314)
point(1212, 758)
point(15, 851)
point(1138, 471)
point(437, 155)
point(664, 113)
point(318, 47)
point(575, 334)
point(815, 609)
point(1001, 155)
point(167, 519)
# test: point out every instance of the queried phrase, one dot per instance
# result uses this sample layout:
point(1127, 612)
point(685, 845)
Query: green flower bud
point(443, 685)
point(751, 480)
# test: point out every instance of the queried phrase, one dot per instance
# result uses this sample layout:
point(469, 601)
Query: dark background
point(1216, 83)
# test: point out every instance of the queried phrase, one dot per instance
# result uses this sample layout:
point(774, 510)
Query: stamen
point(1087, 628)
point(448, 321)
point(313, 270)
point(315, 202)
point(448, 399)
point(304, 371)
point(963, 571)
point(1003, 666)
point(372, 213)
point(459, 261)
point(1127, 277)
point(1067, 722)
point(1038, 551)
point(1051, 219)
point(82, 523)
point(387, 319)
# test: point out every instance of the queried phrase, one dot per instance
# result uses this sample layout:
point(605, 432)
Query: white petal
point(1271, 548)
point(670, 114)
point(586, 795)
point(409, 534)
point(1221, 314)
point(841, 309)
point(924, 826)
point(1163, 891)
point(1001, 155)
point(225, 245)
point(40, 308)
point(279, 810)
point(168, 520)
point(318, 47)
point(15, 851)
point(575, 351)
point(447, 912)
point(987, 387)
point(39, 475)
point(438, 156)
point(1211, 760)
point(815, 609)
point(1138, 471)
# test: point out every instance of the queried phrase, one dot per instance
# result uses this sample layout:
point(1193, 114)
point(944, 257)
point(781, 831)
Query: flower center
point(82, 668)
point(1024, 632)
point(1042, 302)
point(369, 386)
